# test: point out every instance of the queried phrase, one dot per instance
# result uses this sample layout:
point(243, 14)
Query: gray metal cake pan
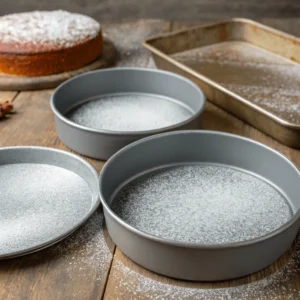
point(45, 195)
point(196, 261)
point(102, 143)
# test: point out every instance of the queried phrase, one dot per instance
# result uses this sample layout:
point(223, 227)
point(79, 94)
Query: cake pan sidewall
point(209, 262)
point(97, 145)
point(102, 144)
point(199, 264)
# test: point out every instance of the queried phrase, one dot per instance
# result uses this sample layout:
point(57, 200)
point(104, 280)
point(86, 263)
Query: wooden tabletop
point(87, 265)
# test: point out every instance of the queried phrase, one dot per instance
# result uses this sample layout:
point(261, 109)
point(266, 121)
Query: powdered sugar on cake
point(59, 29)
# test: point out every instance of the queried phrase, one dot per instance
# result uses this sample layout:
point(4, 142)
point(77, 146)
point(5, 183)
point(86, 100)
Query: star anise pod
point(5, 108)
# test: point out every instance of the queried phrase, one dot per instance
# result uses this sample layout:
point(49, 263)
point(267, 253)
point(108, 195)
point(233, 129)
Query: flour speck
point(86, 250)
point(263, 78)
point(202, 203)
point(129, 112)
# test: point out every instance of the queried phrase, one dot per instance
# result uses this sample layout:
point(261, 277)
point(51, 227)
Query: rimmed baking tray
point(151, 212)
point(115, 98)
point(45, 195)
point(244, 67)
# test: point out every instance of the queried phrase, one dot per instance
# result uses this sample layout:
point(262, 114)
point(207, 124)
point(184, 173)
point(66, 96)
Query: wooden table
point(87, 265)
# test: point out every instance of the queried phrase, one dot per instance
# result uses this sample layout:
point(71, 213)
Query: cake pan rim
point(132, 229)
point(93, 208)
point(67, 121)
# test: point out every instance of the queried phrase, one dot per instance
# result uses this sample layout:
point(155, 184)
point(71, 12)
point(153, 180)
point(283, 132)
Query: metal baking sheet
point(204, 207)
point(246, 68)
point(99, 112)
point(45, 195)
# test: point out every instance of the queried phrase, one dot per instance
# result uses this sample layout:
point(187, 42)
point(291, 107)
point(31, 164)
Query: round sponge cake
point(47, 42)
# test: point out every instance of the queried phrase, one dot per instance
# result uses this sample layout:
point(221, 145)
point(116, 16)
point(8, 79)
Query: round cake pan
point(45, 195)
point(200, 261)
point(102, 143)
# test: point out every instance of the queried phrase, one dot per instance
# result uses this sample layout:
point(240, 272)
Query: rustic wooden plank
point(7, 95)
point(33, 123)
point(76, 268)
point(278, 281)
point(73, 269)
point(129, 281)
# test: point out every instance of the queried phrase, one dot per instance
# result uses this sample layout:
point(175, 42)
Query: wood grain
point(129, 281)
point(25, 83)
point(74, 268)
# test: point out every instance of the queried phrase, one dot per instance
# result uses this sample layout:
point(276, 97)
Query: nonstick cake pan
point(45, 195)
point(98, 113)
point(201, 205)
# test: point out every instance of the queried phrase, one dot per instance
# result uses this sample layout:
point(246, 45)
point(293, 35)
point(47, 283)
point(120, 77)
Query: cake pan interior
point(216, 197)
point(128, 100)
point(45, 195)
point(98, 113)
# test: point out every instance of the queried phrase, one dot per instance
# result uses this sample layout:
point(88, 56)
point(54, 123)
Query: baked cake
point(47, 42)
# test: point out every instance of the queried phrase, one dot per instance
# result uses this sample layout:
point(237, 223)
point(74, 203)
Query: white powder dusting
point(38, 204)
point(261, 77)
point(280, 285)
point(200, 203)
point(47, 28)
point(129, 112)
point(131, 50)
point(285, 103)
point(85, 252)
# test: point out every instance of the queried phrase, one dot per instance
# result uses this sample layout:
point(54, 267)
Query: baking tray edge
point(283, 131)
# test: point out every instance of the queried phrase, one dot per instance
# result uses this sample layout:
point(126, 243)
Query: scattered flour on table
point(261, 77)
point(37, 205)
point(87, 248)
point(277, 286)
point(131, 50)
point(47, 28)
point(129, 112)
point(196, 203)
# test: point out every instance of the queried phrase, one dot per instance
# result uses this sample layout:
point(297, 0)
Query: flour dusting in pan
point(209, 204)
point(39, 203)
point(129, 112)
point(261, 77)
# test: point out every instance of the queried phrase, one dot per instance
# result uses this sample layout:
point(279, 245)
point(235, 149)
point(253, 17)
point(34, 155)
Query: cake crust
point(44, 43)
